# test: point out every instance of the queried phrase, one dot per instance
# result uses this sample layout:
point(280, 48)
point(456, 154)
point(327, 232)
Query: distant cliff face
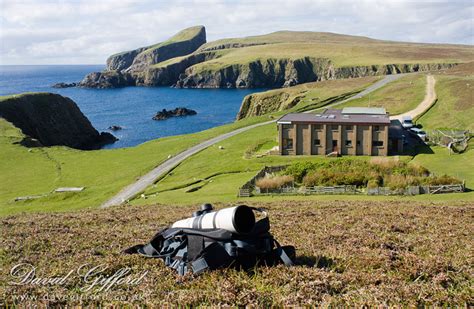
point(124, 69)
point(274, 60)
point(121, 61)
point(270, 73)
point(52, 120)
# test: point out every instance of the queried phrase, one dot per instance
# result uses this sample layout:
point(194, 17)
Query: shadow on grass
point(314, 261)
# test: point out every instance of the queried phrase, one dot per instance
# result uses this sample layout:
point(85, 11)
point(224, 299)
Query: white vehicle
point(407, 122)
point(420, 133)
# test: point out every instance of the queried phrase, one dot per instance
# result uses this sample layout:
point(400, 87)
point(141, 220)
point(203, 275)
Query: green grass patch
point(454, 108)
point(397, 97)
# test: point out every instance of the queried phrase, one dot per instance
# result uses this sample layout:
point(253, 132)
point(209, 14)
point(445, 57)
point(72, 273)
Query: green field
point(455, 106)
point(38, 171)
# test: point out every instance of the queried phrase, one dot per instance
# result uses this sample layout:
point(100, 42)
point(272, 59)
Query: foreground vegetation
point(378, 172)
point(348, 253)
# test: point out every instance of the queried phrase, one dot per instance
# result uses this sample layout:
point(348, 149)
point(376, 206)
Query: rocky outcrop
point(167, 75)
point(64, 85)
point(136, 67)
point(123, 60)
point(107, 79)
point(264, 103)
point(177, 112)
point(169, 49)
point(271, 73)
point(52, 120)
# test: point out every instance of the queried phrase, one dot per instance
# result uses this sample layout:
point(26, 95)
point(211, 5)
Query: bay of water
point(132, 108)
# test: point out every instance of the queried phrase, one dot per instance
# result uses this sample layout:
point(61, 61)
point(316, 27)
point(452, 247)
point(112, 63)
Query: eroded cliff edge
point(52, 120)
point(126, 68)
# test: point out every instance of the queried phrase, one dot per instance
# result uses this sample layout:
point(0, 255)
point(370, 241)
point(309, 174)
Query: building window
point(334, 127)
point(377, 143)
point(318, 127)
point(288, 143)
point(317, 142)
point(286, 126)
point(376, 128)
point(348, 143)
point(349, 128)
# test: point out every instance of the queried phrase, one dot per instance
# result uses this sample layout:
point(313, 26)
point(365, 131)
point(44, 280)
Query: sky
point(88, 31)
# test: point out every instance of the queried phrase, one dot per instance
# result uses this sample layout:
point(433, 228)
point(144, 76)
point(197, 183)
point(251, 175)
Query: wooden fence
point(246, 189)
point(330, 190)
point(415, 190)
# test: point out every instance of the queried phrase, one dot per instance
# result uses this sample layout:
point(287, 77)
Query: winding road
point(429, 99)
point(148, 179)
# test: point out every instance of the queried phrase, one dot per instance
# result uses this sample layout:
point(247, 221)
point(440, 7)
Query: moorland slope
point(278, 59)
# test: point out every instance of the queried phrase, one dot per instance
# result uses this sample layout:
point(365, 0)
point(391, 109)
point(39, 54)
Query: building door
point(334, 146)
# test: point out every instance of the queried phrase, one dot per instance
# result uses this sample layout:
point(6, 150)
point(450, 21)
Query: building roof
point(364, 110)
point(337, 116)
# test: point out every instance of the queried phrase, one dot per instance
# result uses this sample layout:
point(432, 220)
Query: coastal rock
point(177, 112)
point(115, 128)
point(64, 85)
point(271, 73)
point(107, 79)
point(196, 36)
point(136, 67)
point(52, 119)
point(123, 60)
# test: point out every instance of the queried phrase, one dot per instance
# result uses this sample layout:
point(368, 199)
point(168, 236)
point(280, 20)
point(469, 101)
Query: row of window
point(334, 127)
point(288, 143)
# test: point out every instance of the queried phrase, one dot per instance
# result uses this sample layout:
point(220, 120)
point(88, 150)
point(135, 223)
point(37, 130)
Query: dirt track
point(429, 99)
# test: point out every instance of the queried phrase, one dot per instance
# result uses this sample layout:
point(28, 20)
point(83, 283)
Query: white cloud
point(87, 31)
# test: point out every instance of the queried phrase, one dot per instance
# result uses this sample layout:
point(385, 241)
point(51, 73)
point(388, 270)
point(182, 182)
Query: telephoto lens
point(238, 219)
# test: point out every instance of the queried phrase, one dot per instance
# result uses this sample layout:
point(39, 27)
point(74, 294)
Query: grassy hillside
point(38, 171)
point(348, 254)
point(342, 50)
point(397, 97)
point(455, 106)
point(181, 36)
point(302, 97)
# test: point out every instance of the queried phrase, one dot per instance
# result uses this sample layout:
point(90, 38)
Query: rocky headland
point(275, 60)
point(177, 112)
point(129, 68)
point(52, 120)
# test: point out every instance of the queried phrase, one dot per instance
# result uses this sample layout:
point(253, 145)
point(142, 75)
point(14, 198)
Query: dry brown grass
point(274, 182)
point(357, 253)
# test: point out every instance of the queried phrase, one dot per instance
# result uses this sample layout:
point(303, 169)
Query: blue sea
point(132, 108)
